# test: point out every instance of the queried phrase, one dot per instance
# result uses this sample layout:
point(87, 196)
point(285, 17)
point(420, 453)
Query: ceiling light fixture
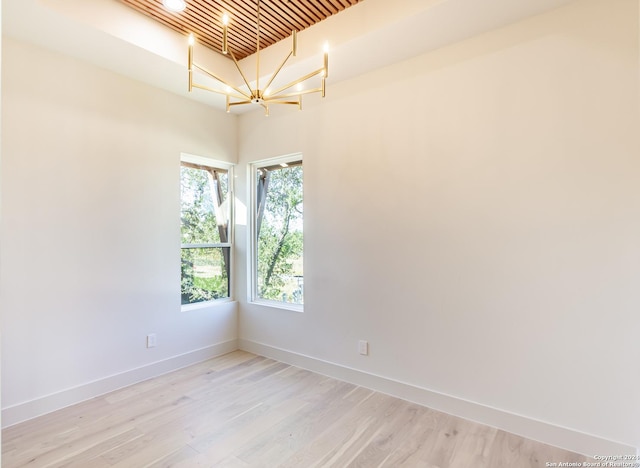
point(245, 93)
point(174, 5)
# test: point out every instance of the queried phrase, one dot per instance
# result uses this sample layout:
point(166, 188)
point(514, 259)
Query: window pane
point(280, 236)
point(204, 218)
point(204, 274)
point(205, 232)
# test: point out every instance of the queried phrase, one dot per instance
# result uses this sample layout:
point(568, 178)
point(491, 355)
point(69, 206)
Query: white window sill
point(278, 305)
point(205, 304)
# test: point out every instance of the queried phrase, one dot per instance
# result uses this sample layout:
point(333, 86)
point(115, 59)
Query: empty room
point(260, 233)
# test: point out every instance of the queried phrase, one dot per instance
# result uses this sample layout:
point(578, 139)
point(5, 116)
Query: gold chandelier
point(245, 93)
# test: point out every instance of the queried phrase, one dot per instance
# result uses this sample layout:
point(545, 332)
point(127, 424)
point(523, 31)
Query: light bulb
point(174, 5)
point(225, 19)
point(192, 39)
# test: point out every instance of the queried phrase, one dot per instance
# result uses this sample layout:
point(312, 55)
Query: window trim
point(252, 244)
point(229, 167)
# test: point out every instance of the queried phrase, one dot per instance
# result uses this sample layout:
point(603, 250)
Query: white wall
point(90, 232)
point(0, 217)
point(474, 213)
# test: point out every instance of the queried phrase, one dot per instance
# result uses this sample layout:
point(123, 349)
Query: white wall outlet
point(363, 347)
point(151, 340)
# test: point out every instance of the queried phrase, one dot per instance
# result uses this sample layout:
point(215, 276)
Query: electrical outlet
point(363, 347)
point(151, 340)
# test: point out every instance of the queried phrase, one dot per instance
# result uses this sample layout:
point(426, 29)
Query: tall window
point(276, 234)
point(205, 230)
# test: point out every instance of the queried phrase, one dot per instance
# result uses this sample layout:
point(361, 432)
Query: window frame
point(252, 240)
point(229, 167)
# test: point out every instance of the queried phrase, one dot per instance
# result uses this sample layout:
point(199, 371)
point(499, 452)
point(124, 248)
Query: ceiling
point(364, 37)
point(278, 18)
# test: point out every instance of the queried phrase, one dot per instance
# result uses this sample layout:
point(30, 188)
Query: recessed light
point(174, 5)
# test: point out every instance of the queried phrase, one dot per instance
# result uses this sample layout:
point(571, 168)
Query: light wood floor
point(242, 410)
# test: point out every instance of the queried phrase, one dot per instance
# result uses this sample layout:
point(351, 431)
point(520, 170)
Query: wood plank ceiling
point(278, 18)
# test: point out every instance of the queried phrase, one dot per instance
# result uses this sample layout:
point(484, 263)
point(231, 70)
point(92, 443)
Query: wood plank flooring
point(242, 410)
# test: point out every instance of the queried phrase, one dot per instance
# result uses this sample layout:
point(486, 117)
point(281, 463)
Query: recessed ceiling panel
point(278, 18)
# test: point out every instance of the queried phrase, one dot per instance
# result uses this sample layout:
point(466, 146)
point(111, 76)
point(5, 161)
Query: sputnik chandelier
point(289, 94)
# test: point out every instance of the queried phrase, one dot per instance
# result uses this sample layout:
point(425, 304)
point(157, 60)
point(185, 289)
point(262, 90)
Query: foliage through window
point(278, 233)
point(205, 232)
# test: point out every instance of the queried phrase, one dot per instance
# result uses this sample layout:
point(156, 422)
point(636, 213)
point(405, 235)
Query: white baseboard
point(33, 408)
point(550, 434)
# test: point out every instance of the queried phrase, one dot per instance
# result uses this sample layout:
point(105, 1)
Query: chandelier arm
point(239, 103)
point(294, 42)
point(278, 71)
point(297, 93)
point(283, 102)
point(219, 91)
point(299, 80)
point(216, 77)
point(190, 64)
point(244, 78)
